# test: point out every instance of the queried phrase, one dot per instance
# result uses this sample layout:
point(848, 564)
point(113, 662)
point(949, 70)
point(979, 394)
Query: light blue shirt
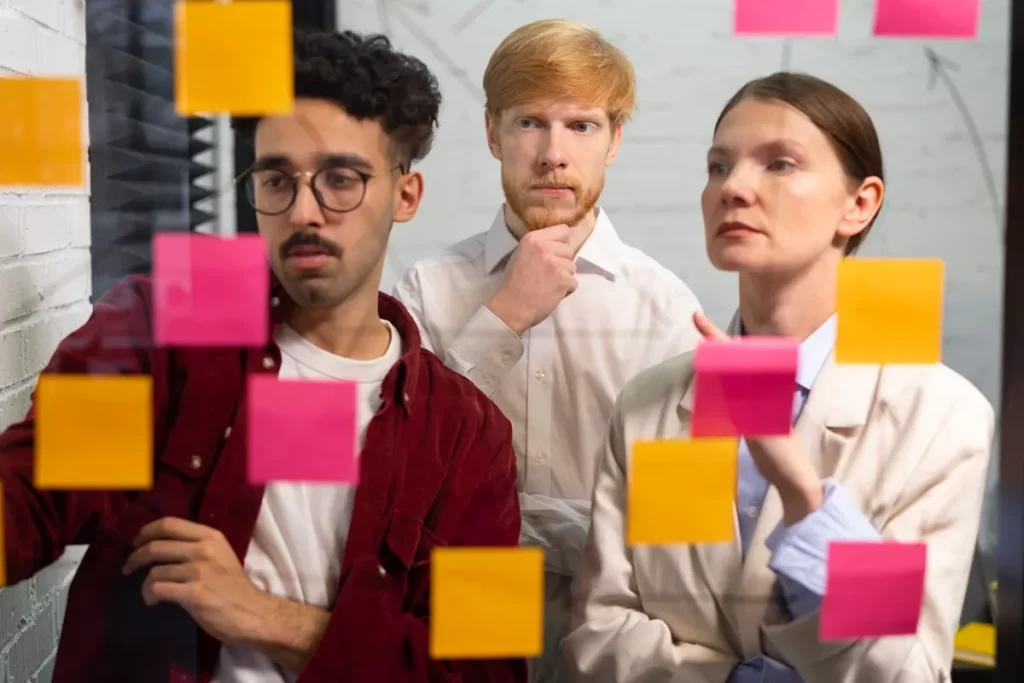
point(799, 552)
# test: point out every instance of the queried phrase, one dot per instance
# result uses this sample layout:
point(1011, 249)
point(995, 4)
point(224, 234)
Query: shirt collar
point(401, 381)
point(602, 249)
point(814, 350)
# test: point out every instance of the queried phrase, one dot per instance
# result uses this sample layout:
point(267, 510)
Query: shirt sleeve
point(483, 351)
point(800, 552)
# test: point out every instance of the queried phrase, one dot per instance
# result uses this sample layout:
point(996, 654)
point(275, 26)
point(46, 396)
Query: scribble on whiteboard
point(389, 8)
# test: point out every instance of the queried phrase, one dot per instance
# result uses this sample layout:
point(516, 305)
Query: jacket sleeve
point(942, 507)
point(611, 639)
point(390, 639)
point(484, 351)
point(39, 524)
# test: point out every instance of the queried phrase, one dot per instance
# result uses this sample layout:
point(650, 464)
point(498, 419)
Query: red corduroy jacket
point(437, 469)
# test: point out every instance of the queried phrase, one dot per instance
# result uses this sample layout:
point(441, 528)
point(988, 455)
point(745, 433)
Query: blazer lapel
point(829, 424)
point(719, 562)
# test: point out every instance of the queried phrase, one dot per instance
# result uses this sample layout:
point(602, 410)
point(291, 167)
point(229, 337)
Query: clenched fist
point(540, 274)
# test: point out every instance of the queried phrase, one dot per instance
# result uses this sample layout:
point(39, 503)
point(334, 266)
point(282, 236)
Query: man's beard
point(549, 212)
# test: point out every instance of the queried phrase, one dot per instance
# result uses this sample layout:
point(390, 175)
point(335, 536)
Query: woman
point(794, 185)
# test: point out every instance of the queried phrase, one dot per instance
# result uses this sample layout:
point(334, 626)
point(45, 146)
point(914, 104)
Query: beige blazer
point(909, 444)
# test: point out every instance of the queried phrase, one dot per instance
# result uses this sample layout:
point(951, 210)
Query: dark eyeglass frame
point(312, 176)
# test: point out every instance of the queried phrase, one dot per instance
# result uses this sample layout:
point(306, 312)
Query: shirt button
point(540, 457)
point(268, 362)
point(539, 374)
point(227, 432)
point(751, 511)
point(275, 302)
point(381, 570)
point(195, 462)
point(405, 397)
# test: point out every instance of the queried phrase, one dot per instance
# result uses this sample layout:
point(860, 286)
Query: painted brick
point(46, 283)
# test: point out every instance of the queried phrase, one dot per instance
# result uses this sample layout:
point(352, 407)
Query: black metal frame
point(142, 155)
point(1010, 603)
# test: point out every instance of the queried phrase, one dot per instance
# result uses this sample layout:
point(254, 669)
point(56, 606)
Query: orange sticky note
point(41, 132)
point(235, 57)
point(486, 603)
point(3, 544)
point(682, 491)
point(890, 311)
point(94, 432)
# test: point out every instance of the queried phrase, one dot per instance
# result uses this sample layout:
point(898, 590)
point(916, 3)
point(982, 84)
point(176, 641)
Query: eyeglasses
point(272, 191)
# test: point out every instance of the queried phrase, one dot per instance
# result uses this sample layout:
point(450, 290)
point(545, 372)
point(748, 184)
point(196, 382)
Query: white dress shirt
point(557, 383)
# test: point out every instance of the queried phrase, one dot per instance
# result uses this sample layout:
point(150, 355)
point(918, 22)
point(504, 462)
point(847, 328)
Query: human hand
point(540, 274)
point(779, 459)
point(195, 567)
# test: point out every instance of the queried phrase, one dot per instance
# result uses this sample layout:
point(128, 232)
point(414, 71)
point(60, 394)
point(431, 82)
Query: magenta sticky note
point(786, 17)
point(872, 590)
point(927, 18)
point(210, 291)
point(302, 431)
point(744, 387)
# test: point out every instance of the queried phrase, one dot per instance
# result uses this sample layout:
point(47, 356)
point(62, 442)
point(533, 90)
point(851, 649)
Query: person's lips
point(736, 228)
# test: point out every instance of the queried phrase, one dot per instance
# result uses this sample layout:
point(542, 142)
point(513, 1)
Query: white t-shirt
point(301, 530)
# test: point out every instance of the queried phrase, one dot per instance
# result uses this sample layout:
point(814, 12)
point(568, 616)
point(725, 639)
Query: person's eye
point(781, 165)
point(717, 168)
point(583, 127)
point(524, 123)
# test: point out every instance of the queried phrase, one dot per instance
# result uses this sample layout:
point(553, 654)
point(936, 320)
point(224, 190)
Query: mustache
point(309, 239)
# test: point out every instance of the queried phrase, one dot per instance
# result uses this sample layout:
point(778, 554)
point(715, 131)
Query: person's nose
point(306, 212)
point(552, 150)
point(740, 187)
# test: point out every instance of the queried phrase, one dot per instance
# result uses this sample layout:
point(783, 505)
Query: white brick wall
point(45, 284)
point(688, 64)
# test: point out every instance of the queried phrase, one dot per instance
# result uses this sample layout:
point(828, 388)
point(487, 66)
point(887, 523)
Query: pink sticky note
point(927, 18)
point(873, 590)
point(786, 17)
point(210, 291)
point(302, 430)
point(744, 387)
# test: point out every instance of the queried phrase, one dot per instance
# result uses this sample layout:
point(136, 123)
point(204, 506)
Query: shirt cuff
point(800, 552)
point(485, 351)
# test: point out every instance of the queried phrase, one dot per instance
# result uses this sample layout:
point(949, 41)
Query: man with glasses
point(205, 577)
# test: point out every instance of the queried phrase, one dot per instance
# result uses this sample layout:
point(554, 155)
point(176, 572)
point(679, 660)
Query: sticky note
point(927, 18)
point(682, 491)
point(744, 387)
point(41, 132)
point(94, 432)
point(210, 291)
point(302, 430)
point(486, 603)
point(786, 17)
point(233, 57)
point(872, 590)
point(890, 311)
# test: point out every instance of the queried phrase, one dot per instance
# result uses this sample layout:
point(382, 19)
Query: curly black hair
point(370, 80)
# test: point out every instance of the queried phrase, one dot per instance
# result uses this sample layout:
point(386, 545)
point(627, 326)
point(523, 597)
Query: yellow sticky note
point(235, 57)
point(3, 545)
point(486, 603)
point(682, 491)
point(94, 432)
point(890, 311)
point(41, 132)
